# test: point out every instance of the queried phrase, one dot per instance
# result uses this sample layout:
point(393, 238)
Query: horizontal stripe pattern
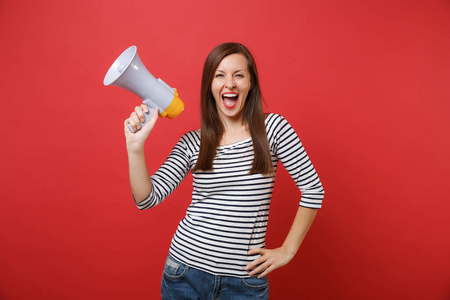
point(230, 207)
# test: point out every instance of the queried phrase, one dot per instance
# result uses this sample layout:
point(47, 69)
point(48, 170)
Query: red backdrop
point(365, 84)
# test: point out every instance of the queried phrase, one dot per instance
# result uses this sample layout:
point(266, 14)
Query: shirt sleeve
point(292, 155)
point(169, 176)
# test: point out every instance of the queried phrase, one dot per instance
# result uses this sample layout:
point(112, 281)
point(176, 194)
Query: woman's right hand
point(135, 141)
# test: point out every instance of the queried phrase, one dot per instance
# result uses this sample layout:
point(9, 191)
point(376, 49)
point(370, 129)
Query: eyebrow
point(243, 70)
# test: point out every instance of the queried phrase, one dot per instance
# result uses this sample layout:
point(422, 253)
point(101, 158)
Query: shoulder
point(191, 138)
point(271, 117)
point(273, 121)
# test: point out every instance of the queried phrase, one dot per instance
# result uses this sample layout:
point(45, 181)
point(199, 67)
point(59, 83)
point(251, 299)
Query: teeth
point(230, 95)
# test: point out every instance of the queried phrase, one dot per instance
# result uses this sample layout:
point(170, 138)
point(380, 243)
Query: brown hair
point(211, 125)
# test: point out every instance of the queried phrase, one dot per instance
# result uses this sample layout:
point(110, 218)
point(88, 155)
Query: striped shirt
point(230, 207)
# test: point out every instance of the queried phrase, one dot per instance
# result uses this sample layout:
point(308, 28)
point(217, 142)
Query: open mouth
point(230, 99)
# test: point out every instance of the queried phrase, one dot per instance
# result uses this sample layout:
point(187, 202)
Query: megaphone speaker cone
point(120, 65)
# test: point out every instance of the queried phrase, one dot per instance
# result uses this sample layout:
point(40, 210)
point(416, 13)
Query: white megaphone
point(129, 72)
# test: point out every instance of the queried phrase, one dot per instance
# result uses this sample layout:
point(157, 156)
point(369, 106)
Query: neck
point(232, 127)
point(232, 123)
point(234, 130)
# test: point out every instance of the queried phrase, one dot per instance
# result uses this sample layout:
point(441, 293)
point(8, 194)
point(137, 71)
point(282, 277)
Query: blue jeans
point(182, 282)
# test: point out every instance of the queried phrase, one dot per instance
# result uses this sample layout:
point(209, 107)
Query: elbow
point(145, 203)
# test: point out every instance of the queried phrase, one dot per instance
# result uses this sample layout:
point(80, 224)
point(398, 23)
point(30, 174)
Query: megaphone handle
point(147, 116)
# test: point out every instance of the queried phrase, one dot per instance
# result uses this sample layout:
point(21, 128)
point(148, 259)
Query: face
point(230, 86)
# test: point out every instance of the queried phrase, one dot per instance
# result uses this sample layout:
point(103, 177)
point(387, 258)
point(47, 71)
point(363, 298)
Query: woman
point(218, 250)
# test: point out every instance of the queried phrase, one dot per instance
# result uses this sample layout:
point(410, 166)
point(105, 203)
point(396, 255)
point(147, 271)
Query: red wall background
point(366, 84)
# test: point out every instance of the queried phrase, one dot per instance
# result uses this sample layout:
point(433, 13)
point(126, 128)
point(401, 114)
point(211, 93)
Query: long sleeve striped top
point(230, 208)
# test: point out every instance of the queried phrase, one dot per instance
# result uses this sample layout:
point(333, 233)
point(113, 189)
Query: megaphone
point(129, 72)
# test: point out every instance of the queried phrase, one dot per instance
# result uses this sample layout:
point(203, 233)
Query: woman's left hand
point(269, 260)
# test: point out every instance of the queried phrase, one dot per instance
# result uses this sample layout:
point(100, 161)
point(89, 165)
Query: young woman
point(218, 250)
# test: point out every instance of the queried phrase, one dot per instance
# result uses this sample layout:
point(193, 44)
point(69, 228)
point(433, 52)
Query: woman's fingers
point(137, 117)
point(269, 260)
point(139, 133)
point(257, 261)
point(134, 121)
point(145, 108)
point(266, 272)
point(151, 123)
point(139, 111)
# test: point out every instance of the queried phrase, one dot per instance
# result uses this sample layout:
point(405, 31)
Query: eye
point(240, 75)
point(219, 75)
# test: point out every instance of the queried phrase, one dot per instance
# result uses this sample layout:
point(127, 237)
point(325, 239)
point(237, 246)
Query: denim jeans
point(182, 282)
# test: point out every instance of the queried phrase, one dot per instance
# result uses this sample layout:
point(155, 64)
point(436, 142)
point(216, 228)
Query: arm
point(149, 191)
point(140, 182)
point(275, 258)
point(289, 149)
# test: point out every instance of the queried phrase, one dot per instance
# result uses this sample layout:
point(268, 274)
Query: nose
point(229, 83)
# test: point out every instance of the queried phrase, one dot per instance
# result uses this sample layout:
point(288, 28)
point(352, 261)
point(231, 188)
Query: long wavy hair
point(212, 128)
